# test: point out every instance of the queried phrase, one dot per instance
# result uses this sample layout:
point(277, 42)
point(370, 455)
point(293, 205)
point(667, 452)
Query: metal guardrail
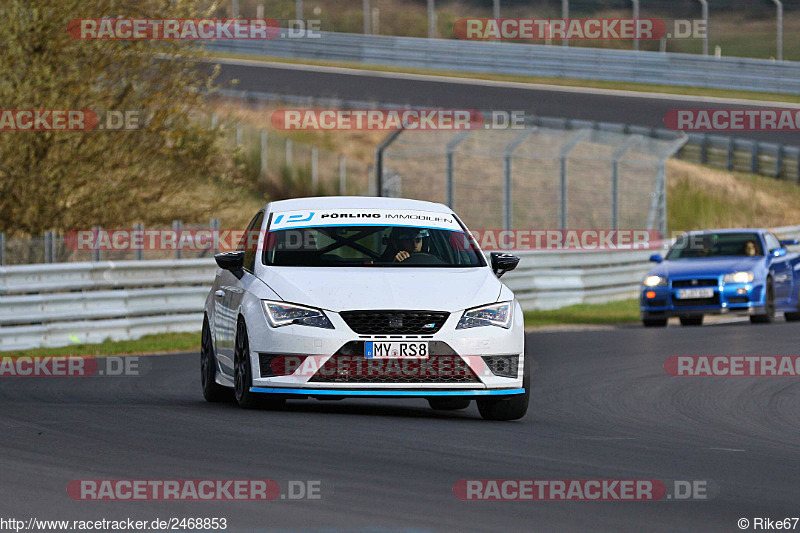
point(686, 70)
point(62, 304)
point(66, 303)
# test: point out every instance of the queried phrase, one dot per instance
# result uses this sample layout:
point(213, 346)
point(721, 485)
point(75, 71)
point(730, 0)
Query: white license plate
point(395, 350)
point(684, 294)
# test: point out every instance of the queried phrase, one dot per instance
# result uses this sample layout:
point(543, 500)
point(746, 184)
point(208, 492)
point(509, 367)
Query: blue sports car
point(736, 271)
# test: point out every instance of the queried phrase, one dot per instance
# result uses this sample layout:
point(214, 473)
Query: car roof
point(728, 230)
point(362, 202)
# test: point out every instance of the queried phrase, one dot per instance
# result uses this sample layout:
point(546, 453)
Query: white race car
point(364, 297)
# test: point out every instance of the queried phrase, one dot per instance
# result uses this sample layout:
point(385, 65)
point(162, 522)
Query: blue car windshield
point(716, 245)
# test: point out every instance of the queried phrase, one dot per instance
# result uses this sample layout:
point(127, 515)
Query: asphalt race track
point(603, 408)
point(605, 106)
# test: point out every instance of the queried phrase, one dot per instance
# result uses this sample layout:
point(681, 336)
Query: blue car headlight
point(487, 315)
point(283, 314)
point(655, 281)
point(738, 277)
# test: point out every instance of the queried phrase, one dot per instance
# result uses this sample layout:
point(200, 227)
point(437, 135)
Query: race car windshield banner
point(363, 217)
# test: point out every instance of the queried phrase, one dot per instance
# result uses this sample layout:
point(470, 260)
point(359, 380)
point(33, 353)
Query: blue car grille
point(706, 282)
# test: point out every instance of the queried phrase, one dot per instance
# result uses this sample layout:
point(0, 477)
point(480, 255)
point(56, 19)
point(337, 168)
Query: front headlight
point(487, 315)
point(655, 281)
point(738, 277)
point(283, 314)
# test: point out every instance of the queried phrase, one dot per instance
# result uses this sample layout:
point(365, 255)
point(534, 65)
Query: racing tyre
point(212, 391)
point(243, 376)
point(692, 320)
point(769, 307)
point(448, 404)
point(654, 322)
point(508, 407)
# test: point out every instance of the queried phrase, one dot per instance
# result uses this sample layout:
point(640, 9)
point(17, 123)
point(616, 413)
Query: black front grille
point(395, 322)
point(696, 301)
point(679, 283)
point(358, 369)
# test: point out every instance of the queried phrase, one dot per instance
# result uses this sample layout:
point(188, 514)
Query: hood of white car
point(344, 288)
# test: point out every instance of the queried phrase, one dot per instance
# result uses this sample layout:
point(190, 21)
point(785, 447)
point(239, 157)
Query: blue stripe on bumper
point(396, 393)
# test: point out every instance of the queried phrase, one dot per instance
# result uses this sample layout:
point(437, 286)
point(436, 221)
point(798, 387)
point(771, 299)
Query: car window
point(772, 242)
point(248, 243)
point(716, 245)
point(374, 246)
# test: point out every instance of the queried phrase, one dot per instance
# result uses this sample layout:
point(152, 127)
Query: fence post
point(138, 229)
point(238, 135)
point(47, 237)
point(97, 253)
point(214, 121)
point(314, 169)
point(342, 175)
point(177, 225)
point(779, 162)
point(288, 153)
point(389, 139)
point(214, 225)
point(2, 248)
point(263, 153)
point(451, 147)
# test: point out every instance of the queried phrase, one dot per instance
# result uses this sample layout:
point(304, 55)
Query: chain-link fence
point(536, 177)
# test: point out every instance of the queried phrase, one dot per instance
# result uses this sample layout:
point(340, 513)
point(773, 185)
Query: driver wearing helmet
point(404, 242)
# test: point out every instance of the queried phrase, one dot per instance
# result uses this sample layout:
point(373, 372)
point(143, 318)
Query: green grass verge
point(563, 82)
point(607, 313)
point(163, 342)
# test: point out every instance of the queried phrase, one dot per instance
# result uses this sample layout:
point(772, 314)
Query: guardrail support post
point(177, 225)
point(731, 148)
point(779, 162)
point(48, 236)
point(754, 158)
point(704, 149)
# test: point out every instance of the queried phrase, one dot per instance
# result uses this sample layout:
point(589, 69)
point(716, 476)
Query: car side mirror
point(502, 263)
point(656, 258)
point(232, 261)
point(778, 252)
point(789, 242)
